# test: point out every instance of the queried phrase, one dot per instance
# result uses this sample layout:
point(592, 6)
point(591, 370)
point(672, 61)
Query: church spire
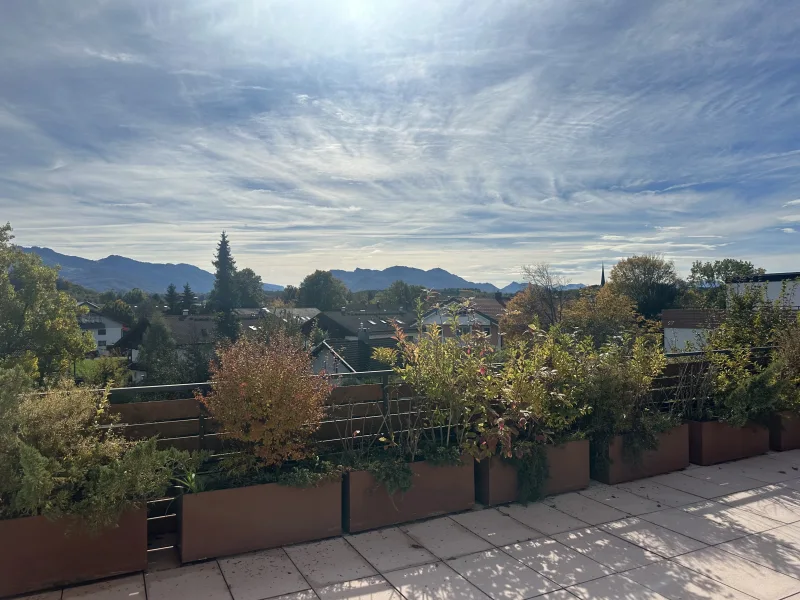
point(603, 275)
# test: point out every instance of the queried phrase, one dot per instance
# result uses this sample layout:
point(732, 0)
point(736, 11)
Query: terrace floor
point(730, 531)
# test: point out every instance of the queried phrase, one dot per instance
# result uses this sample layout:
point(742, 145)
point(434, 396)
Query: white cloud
point(789, 230)
point(433, 134)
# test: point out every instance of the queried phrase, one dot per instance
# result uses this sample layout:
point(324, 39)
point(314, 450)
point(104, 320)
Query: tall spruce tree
point(187, 298)
point(224, 294)
point(173, 299)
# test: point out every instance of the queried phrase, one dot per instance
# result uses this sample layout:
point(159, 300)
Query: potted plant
point(422, 465)
point(784, 425)
point(538, 395)
point(633, 433)
point(270, 489)
point(747, 387)
point(73, 492)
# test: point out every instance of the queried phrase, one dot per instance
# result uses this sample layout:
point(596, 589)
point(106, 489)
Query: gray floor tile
point(557, 562)
point(621, 499)
point(788, 535)
point(767, 553)
point(663, 495)
point(652, 537)
point(390, 549)
point(328, 562)
point(580, 507)
point(695, 526)
point(677, 583)
point(501, 577)
point(606, 549)
point(262, 575)
point(725, 515)
point(305, 595)
point(433, 582)
point(614, 588)
point(203, 581)
point(495, 527)
point(446, 539)
point(540, 517)
point(691, 485)
point(740, 574)
point(370, 588)
point(776, 502)
point(721, 475)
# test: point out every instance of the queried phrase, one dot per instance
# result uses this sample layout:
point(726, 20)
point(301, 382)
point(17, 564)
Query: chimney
point(363, 334)
point(344, 310)
point(185, 312)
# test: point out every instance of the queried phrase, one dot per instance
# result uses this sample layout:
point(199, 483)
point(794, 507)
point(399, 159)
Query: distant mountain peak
point(120, 273)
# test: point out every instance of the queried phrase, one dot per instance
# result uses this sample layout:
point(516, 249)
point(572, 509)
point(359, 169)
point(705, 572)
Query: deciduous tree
point(707, 280)
point(250, 289)
point(323, 291)
point(601, 314)
point(649, 280)
point(38, 324)
point(120, 311)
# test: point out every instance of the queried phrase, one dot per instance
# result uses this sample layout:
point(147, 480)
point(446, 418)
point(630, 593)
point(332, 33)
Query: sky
point(476, 136)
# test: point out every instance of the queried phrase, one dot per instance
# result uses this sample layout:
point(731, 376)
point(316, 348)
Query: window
point(101, 343)
point(101, 332)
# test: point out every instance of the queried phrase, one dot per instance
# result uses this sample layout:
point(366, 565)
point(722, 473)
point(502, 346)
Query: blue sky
point(476, 136)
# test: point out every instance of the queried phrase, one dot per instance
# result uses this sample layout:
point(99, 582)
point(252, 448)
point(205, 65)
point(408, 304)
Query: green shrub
point(59, 457)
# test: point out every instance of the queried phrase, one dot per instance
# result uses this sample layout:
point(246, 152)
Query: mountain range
point(372, 279)
point(122, 274)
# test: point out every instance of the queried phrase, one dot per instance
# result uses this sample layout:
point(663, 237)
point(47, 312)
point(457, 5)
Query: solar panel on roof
point(399, 321)
point(372, 323)
point(382, 321)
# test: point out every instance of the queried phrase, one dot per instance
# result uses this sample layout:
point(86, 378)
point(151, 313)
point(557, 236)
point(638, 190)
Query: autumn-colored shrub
point(266, 397)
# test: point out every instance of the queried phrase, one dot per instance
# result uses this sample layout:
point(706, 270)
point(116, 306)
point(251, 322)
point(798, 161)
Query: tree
point(158, 354)
point(224, 296)
point(323, 291)
point(601, 314)
point(649, 280)
point(187, 298)
point(39, 327)
point(172, 300)
point(521, 312)
point(548, 289)
point(119, 311)
point(250, 289)
point(289, 295)
point(707, 281)
point(401, 294)
point(134, 297)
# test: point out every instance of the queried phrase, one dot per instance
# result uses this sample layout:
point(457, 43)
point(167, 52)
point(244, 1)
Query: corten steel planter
point(784, 431)
point(672, 454)
point(712, 442)
point(568, 466)
point(238, 520)
point(435, 491)
point(36, 554)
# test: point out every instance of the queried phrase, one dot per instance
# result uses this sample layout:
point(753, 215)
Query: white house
point(776, 286)
point(105, 331)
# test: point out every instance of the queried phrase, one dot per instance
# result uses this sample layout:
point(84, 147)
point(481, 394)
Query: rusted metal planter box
point(568, 465)
point(435, 491)
point(238, 520)
point(712, 442)
point(671, 455)
point(36, 554)
point(784, 431)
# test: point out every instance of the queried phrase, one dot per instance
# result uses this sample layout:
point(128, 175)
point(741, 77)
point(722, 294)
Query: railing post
point(385, 392)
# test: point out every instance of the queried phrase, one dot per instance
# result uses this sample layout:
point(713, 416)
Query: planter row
point(37, 554)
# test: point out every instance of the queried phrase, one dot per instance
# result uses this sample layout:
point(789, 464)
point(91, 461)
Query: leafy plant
point(619, 390)
point(267, 400)
point(530, 458)
point(393, 472)
point(59, 456)
point(748, 385)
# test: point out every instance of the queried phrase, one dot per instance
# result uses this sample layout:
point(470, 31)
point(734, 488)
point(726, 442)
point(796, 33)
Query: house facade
point(480, 314)
point(105, 331)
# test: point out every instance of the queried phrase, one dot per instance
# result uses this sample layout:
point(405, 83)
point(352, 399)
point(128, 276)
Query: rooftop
point(730, 531)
